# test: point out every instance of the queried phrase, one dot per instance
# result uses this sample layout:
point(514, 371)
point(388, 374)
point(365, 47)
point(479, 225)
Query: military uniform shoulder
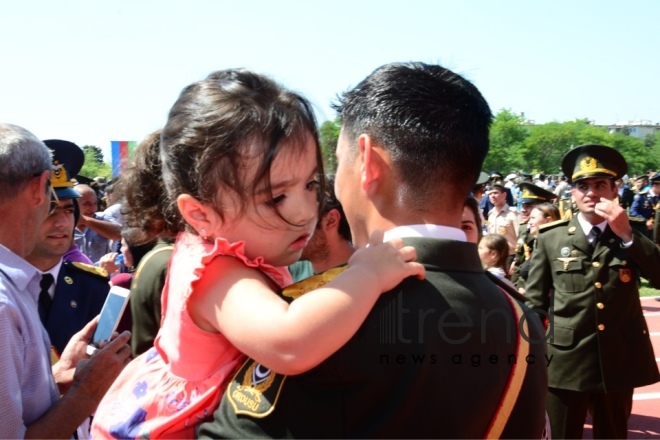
point(88, 268)
point(552, 225)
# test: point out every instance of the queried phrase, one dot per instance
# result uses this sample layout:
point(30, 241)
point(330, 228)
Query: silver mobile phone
point(111, 313)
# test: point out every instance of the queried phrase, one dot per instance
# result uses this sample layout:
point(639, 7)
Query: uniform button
point(598, 285)
point(624, 262)
point(596, 264)
point(600, 306)
point(643, 332)
point(601, 327)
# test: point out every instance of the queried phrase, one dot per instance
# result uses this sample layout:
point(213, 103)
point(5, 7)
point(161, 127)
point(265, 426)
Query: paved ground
point(645, 419)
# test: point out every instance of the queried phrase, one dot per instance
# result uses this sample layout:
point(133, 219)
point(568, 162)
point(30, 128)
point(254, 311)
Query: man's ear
point(200, 216)
point(331, 220)
point(38, 189)
point(374, 162)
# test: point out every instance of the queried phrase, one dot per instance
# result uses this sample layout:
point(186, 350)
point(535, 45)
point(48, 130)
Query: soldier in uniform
point(656, 207)
point(530, 196)
point(503, 219)
point(598, 336)
point(642, 206)
point(75, 292)
point(384, 381)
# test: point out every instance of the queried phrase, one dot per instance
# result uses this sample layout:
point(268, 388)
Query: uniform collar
point(427, 231)
point(586, 226)
point(54, 271)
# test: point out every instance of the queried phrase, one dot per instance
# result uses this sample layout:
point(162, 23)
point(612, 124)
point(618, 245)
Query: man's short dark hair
point(432, 122)
point(330, 203)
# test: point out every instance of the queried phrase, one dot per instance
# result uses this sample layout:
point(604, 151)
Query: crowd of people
point(269, 299)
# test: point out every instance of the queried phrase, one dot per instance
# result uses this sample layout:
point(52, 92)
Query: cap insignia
point(59, 178)
point(588, 164)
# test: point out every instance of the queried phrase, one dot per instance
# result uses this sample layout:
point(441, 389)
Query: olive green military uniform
point(656, 225)
point(523, 253)
point(146, 290)
point(600, 340)
point(423, 364)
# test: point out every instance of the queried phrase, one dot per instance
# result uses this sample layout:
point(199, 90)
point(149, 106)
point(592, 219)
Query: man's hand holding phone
point(111, 313)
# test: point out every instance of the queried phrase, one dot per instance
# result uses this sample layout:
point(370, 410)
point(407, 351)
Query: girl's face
point(536, 219)
point(128, 257)
point(294, 187)
point(469, 225)
point(486, 255)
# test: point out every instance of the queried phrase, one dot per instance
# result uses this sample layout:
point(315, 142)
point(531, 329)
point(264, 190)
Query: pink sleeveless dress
point(168, 390)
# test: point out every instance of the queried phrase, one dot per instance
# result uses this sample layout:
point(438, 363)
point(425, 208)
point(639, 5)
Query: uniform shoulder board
point(637, 219)
point(552, 225)
point(90, 269)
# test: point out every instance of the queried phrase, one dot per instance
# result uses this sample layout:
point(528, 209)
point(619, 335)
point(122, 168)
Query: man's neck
point(336, 257)
point(43, 262)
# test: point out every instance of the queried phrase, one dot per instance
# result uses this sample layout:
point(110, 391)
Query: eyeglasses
point(54, 200)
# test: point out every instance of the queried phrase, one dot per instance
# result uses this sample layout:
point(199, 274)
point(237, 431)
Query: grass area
point(646, 290)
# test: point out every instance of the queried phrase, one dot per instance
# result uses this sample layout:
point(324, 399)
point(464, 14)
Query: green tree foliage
point(94, 165)
point(328, 136)
point(507, 136)
point(516, 145)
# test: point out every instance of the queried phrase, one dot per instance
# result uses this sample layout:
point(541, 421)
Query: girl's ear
point(200, 216)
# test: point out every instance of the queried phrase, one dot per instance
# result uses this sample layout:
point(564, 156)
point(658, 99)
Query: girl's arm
point(292, 338)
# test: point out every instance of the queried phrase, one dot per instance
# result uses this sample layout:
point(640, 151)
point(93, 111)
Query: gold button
point(598, 285)
point(601, 327)
point(643, 332)
point(600, 306)
point(624, 262)
point(596, 264)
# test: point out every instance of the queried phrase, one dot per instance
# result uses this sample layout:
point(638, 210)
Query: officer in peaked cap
point(655, 187)
point(593, 160)
point(643, 207)
point(72, 293)
point(480, 186)
point(68, 159)
point(530, 196)
point(599, 340)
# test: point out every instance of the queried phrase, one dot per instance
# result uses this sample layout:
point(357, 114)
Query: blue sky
point(95, 71)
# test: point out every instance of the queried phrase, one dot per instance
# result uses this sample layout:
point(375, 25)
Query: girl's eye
point(276, 200)
point(312, 185)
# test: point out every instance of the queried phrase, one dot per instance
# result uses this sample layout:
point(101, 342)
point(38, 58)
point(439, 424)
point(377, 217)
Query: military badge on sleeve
point(625, 275)
point(254, 390)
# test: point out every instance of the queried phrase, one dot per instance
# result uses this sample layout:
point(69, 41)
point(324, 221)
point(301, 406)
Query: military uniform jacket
point(642, 206)
point(424, 349)
point(80, 292)
point(523, 249)
point(598, 335)
point(656, 225)
point(146, 292)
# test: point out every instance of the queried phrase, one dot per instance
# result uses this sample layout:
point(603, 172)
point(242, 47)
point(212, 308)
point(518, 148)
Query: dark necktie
point(45, 301)
point(595, 233)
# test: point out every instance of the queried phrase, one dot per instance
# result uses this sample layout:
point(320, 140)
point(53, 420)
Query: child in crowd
point(493, 251)
point(242, 169)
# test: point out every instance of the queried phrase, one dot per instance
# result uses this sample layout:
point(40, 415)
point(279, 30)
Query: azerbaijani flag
point(121, 151)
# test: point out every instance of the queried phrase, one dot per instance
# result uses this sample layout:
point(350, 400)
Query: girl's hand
point(387, 263)
point(107, 262)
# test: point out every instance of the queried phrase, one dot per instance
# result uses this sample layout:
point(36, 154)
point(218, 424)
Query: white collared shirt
point(426, 230)
point(54, 271)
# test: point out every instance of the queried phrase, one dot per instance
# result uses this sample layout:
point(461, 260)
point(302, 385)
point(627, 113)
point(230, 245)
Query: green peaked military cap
point(483, 178)
point(531, 193)
point(68, 159)
point(593, 160)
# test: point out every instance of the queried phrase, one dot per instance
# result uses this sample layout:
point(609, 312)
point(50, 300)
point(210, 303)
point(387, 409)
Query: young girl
point(493, 251)
point(242, 168)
